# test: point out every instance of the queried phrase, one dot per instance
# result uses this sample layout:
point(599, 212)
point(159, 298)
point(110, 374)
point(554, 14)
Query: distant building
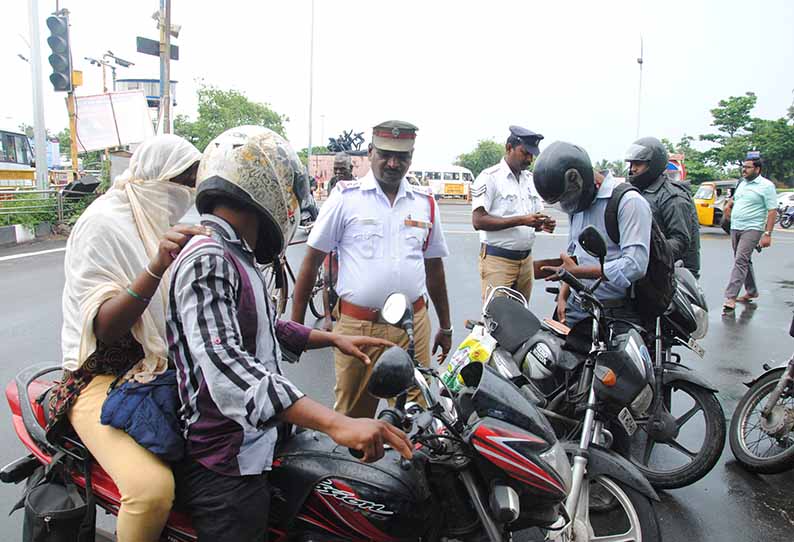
point(321, 167)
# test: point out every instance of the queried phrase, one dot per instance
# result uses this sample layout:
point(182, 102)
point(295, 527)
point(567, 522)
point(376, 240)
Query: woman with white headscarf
point(114, 311)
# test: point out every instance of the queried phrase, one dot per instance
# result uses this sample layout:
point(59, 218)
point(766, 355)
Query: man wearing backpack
point(671, 202)
point(564, 174)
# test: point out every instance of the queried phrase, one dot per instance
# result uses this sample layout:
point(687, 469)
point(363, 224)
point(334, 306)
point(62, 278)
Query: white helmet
point(257, 167)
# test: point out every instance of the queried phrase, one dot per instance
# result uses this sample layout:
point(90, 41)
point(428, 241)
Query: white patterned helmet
point(255, 166)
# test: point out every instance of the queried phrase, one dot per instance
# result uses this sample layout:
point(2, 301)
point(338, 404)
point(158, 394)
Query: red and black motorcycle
point(486, 463)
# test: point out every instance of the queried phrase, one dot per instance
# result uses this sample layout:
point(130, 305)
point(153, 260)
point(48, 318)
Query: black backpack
point(652, 293)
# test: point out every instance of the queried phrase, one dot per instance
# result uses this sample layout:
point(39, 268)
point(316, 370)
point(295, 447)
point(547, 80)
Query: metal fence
point(53, 206)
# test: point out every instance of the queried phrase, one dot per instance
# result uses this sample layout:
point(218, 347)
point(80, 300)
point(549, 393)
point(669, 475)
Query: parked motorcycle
point(762, 428)
point(609, 382)
point(680, 426)
point(785, 216)
point(486, 463)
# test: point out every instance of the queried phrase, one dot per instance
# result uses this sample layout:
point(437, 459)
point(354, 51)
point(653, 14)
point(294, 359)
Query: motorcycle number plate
point(627, 421)
point(696, 348)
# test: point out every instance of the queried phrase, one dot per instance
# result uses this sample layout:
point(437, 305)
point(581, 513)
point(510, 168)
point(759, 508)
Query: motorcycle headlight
point(702, 319)
point(555, 457)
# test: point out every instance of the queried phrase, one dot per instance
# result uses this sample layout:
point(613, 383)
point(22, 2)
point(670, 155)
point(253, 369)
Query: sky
point(461, 70)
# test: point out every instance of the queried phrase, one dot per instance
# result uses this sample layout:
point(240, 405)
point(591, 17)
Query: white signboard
point(112, 120)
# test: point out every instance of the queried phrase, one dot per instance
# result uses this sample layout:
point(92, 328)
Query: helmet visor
point(638, 153)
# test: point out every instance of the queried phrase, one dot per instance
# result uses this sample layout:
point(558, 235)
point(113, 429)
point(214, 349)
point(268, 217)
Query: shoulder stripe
point(348, 185)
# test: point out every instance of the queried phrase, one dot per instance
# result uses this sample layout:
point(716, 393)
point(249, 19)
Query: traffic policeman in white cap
point(507, 211)
point(388, 235)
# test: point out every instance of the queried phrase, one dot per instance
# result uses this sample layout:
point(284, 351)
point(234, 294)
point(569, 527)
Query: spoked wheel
point(277, 286)
point(316, 296)
point(764, 445)
point(612, 511)
point(683, 442)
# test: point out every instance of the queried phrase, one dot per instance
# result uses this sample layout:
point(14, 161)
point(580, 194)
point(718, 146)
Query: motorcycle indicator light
point(606, 375)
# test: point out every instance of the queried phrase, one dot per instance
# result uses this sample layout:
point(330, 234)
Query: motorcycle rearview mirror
point(593, 243)
point(392, 375)
point(396, 310)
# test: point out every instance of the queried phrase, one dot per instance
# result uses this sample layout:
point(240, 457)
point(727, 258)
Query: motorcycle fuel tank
point(318, 486)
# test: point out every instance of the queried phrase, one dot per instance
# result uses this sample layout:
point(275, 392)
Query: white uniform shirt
point(498, 192)
point(380, 246)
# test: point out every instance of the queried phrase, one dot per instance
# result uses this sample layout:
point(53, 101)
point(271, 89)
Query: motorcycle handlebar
point(570, 280)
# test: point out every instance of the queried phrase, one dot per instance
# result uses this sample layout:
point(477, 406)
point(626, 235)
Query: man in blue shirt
point(752, 213)
point(564, 174)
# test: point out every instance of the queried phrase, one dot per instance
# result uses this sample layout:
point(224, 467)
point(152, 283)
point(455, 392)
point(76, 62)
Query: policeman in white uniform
point(507, 211)
point(389, 238)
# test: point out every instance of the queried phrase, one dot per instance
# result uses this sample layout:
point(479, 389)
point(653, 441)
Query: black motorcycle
point(762, 428)
point(677, 430)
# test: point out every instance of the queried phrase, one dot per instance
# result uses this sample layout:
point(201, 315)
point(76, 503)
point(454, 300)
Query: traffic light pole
point(40, 132)
point(72, 132)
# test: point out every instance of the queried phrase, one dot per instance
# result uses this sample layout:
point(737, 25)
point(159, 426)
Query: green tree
point(775, 140)
point(732, 119)
point(619, 168)
point(698, 169)
point(487, 153)
point(219, 110)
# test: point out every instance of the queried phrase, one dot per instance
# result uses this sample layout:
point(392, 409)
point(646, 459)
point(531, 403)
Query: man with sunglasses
point(506, 210)
point(389, 238)
point(752, 213)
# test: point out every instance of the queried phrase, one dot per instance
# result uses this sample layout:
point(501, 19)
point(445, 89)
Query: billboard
point(112, 120)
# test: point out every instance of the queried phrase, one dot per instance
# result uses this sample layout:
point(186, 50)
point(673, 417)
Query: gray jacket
point(674, 211)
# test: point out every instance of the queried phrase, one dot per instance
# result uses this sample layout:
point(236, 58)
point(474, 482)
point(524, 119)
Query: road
point(729, 504)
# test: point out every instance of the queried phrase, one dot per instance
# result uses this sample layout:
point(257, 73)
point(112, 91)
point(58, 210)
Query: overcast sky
point(460, 70)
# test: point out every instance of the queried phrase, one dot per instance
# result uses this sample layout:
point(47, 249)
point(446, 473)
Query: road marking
point(26, 254)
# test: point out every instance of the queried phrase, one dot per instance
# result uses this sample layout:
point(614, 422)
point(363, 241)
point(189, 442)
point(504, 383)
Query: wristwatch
point(447, 332)
point(769, 233)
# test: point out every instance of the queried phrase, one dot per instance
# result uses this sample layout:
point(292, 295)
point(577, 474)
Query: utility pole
point(165, 65)
point(311, 91)
point(72, 132)
point(40, 131)
point(639, 90)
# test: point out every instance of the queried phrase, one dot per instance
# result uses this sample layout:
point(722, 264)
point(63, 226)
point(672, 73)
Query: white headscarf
point(114, 240)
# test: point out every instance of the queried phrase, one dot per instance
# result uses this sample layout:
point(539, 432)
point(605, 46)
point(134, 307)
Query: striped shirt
point(224, 340)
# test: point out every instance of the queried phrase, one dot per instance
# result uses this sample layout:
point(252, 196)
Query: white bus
point(446, 181)
point(16, 161)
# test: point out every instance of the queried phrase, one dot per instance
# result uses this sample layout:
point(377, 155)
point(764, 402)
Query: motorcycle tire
point(638, 513)
point(752, 402)
point(316, 296)
point(677, 476)
point(278, 295)
point(785, 222)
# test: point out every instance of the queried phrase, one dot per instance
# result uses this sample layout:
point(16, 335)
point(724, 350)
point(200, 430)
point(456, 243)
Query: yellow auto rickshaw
point(710, 200)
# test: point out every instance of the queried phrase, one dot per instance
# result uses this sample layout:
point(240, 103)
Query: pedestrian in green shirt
point(752, 213)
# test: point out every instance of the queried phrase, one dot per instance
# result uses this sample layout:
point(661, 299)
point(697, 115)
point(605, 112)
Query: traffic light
point(61, 57)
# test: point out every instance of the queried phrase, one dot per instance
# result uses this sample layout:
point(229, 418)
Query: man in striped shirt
point(227, 345)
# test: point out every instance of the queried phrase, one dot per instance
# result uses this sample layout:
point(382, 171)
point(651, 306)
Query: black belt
point(500, 252)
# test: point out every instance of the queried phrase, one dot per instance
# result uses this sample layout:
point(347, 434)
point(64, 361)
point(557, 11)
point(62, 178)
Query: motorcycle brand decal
point(326, 487)
point(542, 353)
point(495, 446)
point(331, 492)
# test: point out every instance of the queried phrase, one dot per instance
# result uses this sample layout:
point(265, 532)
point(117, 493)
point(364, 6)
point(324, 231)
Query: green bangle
point(139, 297)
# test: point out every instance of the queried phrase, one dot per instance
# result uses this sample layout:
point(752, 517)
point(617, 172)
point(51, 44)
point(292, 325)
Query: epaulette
point(492, 169)
point(422, 189)
point(348, 185)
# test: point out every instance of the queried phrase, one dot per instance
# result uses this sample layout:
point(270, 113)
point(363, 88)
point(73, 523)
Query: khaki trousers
point(352, 376)
point(145, 482)
point(498, 271)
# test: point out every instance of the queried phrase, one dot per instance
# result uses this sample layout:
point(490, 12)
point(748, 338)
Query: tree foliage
point(487, 153)
point(732, 119)
point(303, 154)
point(617, 167)
point(219, 110)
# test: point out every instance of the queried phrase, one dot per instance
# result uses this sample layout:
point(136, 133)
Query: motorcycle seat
point(514, 323)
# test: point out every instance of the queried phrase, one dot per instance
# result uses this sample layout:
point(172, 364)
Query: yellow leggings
point(146, 483)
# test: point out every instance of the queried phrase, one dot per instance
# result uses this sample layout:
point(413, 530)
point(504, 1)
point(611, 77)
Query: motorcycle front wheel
point(686, 445)
point(753, 446)
point(614, 512)
point(785, 222)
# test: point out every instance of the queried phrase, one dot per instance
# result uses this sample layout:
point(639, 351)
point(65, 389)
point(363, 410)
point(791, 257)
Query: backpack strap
point(611, 212)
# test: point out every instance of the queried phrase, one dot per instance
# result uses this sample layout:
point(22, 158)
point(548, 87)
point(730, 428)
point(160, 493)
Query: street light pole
point(40, 131)
point(311, 91)
point(639, 90)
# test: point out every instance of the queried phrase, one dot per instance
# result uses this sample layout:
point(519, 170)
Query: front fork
point(786, 379)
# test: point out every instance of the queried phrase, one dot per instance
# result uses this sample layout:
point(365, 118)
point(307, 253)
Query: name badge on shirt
point(417, 223)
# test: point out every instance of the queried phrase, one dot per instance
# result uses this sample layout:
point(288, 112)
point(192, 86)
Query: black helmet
point(651, 150)
point(563, 173)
